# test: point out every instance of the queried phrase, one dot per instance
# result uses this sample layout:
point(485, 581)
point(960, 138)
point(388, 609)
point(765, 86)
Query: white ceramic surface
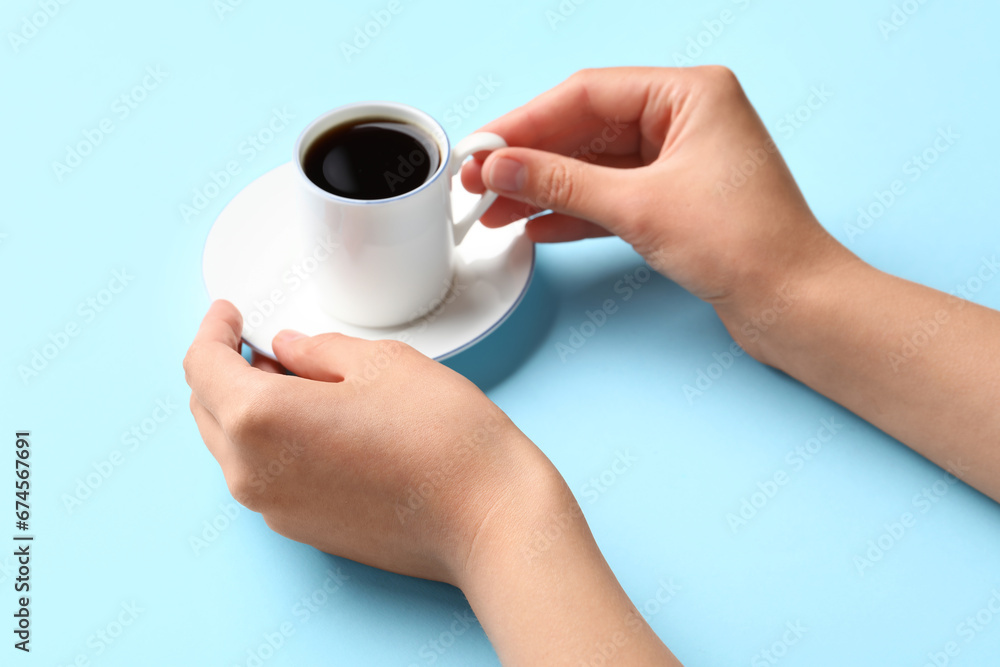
point(260, 256)
point(392, 259)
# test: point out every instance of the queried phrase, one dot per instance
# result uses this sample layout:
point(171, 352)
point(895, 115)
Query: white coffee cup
point(392, 259)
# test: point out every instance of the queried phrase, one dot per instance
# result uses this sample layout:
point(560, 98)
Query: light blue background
point(665, 516)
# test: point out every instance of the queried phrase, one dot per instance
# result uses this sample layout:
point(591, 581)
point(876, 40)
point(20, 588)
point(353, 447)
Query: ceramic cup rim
point(355, 111)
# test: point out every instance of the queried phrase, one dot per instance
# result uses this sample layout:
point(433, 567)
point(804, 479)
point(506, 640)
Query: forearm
point(545, 595)
point(921, 365)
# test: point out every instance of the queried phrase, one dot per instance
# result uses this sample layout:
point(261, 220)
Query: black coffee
point(371, 159)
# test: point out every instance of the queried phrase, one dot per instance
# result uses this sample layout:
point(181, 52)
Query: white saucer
point(255, 257)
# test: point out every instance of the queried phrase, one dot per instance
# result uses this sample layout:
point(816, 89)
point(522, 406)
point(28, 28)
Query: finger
point(328, 357)
point(213, 367)
point(565, 185)
point(266, 364)
point(506, 211)
point(472, 171)
point(582, 107)
point(211, 433)
point(472, 176)
point(558, 228)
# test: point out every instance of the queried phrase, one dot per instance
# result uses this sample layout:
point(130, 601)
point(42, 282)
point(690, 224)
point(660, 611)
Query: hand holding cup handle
point(466, 148)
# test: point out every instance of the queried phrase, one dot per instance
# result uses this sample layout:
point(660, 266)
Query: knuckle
point(245, 491)
point(323, 343)
point(250, 415)
point(191, 361)
point(720, 78)
point(559, 189)
point(275, 523)
point(245, 423)
point(583, 76)
point(641, 223)
point(237, 319)
point(392, 349)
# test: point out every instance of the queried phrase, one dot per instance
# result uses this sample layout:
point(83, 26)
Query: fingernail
point(289, 335)
point(507, 175)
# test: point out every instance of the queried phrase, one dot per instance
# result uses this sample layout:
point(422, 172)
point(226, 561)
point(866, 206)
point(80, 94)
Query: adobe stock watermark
point(922, 335)
point(985, 272)
point(308, 605)
point(712, 30)
point(900, 15)
point(425, 316)
point(795, 460)
point(41, 356)
point(246, 152)
point(588, 152)
point(594, 319)
point(264, 476)
point(8, 568)
point(385, 355)
point(896, 530)
point(542, 539)
point(223, 8)
point(665, 594)
point(781, 302)
point(109, 634)
point(260, 479)
point(706, 377)
point(131, 440)
point(755, 327)
point(926, 329)
point(416, 495)
point(966, 631)
point(367, 32)
point(772, 655)
point(213, 527)
point(406, 166)
point(598, 485)
point(605, 651)
point(562, 13)
point(432, 650)
point(788, 125)
point(34, 23)
point(913, 170)
point(293, 279)
point(795, 120)
point(740, 175)
point(460, 111)
point(121, 109)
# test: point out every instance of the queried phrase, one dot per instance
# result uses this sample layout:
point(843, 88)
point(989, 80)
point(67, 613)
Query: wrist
point(529, 503)
point(541, 588)
point(776, 297)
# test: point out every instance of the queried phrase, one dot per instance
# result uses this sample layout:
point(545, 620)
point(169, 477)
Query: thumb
point(551, 181)
point(330, 357)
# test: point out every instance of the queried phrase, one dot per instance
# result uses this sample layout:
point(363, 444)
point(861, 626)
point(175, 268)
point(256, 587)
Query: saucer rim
point(461, 348)
point(442, 357)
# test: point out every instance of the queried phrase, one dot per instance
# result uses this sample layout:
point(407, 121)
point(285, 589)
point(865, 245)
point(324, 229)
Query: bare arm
point(547, 596)
point(413, 470)
point(922, 365)
point(677, 163)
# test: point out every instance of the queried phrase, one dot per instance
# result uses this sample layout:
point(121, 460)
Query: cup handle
point(474, 143)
